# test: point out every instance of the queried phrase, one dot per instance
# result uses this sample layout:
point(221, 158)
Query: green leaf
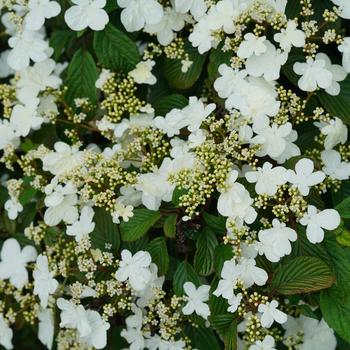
point(81, 77)
point(222, 253)
point(343, 208)
point(170, 226)
point(216, 58)
point(176, 78)
point(216, 223)
point(61, 41)
point(203, 338)
point(204, 257)
point(303, 274)
point(184, 273)
point(105, 232)
point(167, 103)
point(178, 192)
point(115, 50)
point(339, 105)
point(159, 253)
point(139, 224)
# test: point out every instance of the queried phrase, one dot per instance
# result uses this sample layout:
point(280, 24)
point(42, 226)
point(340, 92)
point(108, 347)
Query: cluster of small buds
point(36, 233)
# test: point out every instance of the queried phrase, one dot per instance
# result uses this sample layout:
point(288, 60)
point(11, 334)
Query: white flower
point(267, 178)
point(202, 36)
point(229, 276)
point(196, 298)
point(83, 226)
point(61, 201)
point(155, 187)
point(135, 269)
point(304, 176)
point(44, 283)
point(74, 316)
point(275, 241)
point(251, 45)
point(251, 274)
point(98, 335)
point(133, 334)
point(271, 314)
point(87, 13)
point(267, 344)
point(26, 46)
point(336, 132)
point(46, 327)
point(63, 159)
point(290, 36)
point(316, 334)
point(291, 150)
point(103, 77)
point(273, 139)
point(13, 207)
point(39, 10)
point(235, 202)
point(142, 74)
point(344, 8)
point(197, 8)
point(5, 334)
point(137, 13)
point(7, 134)
point(328, 219)
point(171, 22)
point(25, 118)
point(35, 79)
point(5, 69)
point(267, 64)
point(234, 303)
point(334, 167)
point(344, 48)
point(14, 261)
point(320, 72)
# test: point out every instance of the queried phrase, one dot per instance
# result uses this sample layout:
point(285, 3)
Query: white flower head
point(196, 298)
point(39, 10)
point(44, 283)
point(142, 74)
point(87, 13)
point(304, 177)
point(316, 222)
point(197, 8)
point(336, 132)
point(333, 165)
point(268, 343)
point(83, 226)
point(135, 269)
point(6, 334)
point(275, 241)
point(229, 277)
point(343, 7)
point(270, 314)
point(251, 45)
point(46, 327)
point(13, 208)
point(290, 36)
point(14, 261)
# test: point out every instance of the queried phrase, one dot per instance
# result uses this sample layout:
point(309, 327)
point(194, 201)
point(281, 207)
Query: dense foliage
point(175, 174)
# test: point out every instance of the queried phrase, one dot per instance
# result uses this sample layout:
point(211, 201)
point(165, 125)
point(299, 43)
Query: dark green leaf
point(167, 103)
point(159, 253)
point(216, 223)
point(343, 208)
point(105, 232)
point(203, 338)
point(221, 254)
point(81, 77)
point(61, 41)
point(184, 273)
point(139, 224)
point(115, 50)
point(204, 257)
point(302, 275)
point(170, 226)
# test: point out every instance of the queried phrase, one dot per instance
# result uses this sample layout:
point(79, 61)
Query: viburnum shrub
point(175, 174)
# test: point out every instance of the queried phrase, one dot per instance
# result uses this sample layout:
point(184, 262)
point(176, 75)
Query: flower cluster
point(175, 174)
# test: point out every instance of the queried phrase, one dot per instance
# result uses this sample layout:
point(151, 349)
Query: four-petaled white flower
point(13, 207)
point(252, 45)
point(320, 72)
point(343, 8)
point(234, 302)
point(227, 284)
point(46, 327)
point(267, 178)
point(344, 48)
point(196, 298)
point(137, 13)
point(304, 177)
point(82, 227)
point(87, 13)
point(275, 241)
point(290, 36)
point(336, 132)
point(14, 261)
point(333, 165)
point(197, 8)
point(268, 343)
point(251, 274)
point(44, 283)
point(39, 10)
point(270, 314)
point(235, 201)
point(142, 74)
point(135, 269)
point(5, 334)
point(315, 222)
